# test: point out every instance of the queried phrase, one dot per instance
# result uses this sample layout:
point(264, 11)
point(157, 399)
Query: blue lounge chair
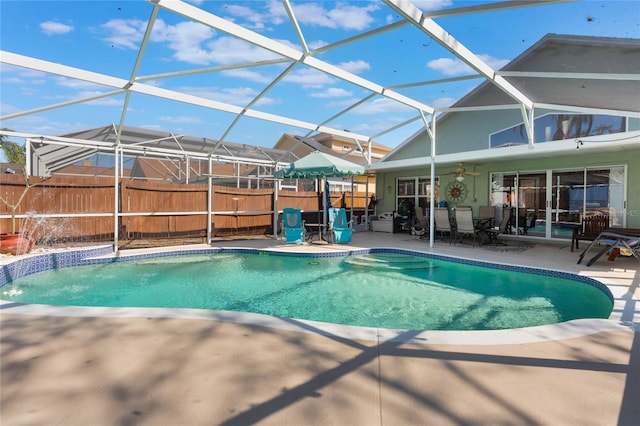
point(340, 228)
point(293, 226)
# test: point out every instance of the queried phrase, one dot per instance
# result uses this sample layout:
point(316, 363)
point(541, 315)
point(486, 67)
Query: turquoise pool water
point(375, 290)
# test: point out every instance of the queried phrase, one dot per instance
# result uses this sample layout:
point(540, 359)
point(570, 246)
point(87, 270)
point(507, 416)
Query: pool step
point(395, 262)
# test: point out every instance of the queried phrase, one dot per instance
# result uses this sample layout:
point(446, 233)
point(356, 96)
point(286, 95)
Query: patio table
point(316, 228)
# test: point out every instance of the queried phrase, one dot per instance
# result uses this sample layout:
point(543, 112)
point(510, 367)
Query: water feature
point(33, 226)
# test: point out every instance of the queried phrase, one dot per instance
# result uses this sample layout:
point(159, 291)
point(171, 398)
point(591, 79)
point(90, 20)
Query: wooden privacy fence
point(82, 208)
point(60, 208)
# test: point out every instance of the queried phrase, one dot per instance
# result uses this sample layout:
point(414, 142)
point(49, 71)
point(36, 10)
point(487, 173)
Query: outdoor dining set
point(450, 224)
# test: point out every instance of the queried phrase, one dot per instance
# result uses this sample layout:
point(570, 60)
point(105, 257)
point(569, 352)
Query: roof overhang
point(603, 143)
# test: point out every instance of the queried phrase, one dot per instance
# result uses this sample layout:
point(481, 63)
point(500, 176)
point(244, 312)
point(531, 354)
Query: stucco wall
point(470, 132)
point(479, 186)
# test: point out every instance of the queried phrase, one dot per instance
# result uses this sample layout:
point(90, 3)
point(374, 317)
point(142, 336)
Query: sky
point(105, 37)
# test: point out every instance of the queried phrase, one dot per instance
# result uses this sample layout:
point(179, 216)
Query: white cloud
point(344, 16)
point(124, 33)
point(442, 102)
point(25, 73)
point(309, 78)
point(230, 95)
point(341, 103)
point(191, 42)
point(494, 63)
point(454, 66)
point(186, 40)
point(11, 80)
point(381, 106)
point(273, 13)
point(54, 28)
point(41, 125)
point(8, 108)
point(249, 74)
point(355, 66)
point(229, 50)
point(108, 102)
point(151, 127)
point(449, 66)
point(332, 92)
point(76, 84)
point(427, 5)
point(378, 124)
point(316, 44)
point(252, 18)
point(180, 119)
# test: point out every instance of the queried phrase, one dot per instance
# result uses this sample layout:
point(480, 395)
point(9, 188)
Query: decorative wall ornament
point(456, 192)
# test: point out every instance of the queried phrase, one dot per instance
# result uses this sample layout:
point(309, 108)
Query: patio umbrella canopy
point(319, 165)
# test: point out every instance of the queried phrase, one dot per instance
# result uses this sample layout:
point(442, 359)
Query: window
point(553, 127)
point(416, 190)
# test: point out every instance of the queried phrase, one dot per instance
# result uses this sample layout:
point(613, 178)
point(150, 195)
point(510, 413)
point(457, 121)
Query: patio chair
point(518, 223)
point(293, 226)
point(442, 222)
point(589, 229)
point(340, 229)
point(487, 212)
point(493, 233)
point(464, 224)
point(420, 226)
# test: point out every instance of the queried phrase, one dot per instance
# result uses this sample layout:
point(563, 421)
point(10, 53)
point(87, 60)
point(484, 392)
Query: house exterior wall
point(479, 187)
point(470, 131)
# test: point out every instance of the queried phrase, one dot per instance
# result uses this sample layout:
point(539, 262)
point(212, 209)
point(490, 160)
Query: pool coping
point(105, 254)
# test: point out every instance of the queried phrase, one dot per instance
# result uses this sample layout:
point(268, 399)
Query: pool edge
point(100, 254)
point(560, 331)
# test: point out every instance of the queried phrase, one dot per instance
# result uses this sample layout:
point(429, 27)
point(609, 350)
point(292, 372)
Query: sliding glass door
point(524, 194)
point(566, 199)
point(550, 204)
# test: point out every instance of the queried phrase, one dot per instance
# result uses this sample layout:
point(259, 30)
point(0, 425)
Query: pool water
point(382, 290)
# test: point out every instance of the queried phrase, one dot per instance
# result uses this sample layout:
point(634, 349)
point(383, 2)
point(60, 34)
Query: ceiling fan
point(461, 172)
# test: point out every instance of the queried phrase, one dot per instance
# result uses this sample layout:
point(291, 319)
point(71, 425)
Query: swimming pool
point(386, 288)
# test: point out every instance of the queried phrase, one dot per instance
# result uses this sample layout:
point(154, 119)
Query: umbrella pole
point(320, 193)
point(351, 213)
point(324, 203)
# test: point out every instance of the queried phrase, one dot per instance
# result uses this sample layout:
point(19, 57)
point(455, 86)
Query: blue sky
point(104, 37)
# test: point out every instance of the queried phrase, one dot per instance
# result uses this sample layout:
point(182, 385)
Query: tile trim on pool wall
point(105, 254)
point(43, 262)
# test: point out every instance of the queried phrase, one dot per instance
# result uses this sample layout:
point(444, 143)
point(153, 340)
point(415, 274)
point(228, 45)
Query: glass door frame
point(617, 216)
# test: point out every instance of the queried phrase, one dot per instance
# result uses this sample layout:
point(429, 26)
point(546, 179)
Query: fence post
point(275, 209)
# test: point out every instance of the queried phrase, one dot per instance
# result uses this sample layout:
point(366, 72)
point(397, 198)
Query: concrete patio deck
point(101, 370)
